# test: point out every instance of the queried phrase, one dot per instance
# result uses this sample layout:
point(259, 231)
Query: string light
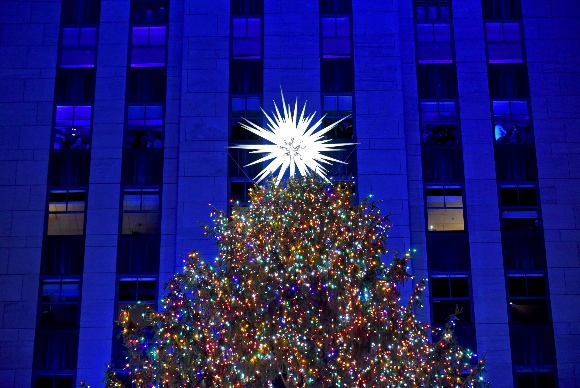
point(298, 294)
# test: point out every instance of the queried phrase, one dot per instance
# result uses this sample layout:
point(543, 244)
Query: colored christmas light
point(298, 297)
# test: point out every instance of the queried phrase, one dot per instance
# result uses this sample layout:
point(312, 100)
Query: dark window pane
point(536, 286)
point(147, 290)
point(142, 166)
point(440, 287)
point(545, 380)
point(337, 75)
point(62, 255)
point(525, 380)
point(127, 291)
point(516, 286)
point(501, 9)
point(437, 81)
point(138, 254)
point(449, 251)
point(459, 287)
point(442, 164)
point(515, 163)
point(529, 311)
point(69, 168)
point(443, 309)
point(532, 345)
point(247, 7)
point(508, 196)
point(335, 6)
point(74, 85)
point(55, 350)
point(246, 77)
point(146, 85)
point(508, 81)
point(528, 196)
point(149, 11)
point(80, 11)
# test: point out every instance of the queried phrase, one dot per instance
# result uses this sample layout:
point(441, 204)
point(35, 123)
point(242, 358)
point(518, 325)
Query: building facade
point(116, 117)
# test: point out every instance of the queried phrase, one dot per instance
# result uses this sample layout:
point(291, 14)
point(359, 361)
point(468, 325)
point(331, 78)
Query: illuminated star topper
point(295, 145)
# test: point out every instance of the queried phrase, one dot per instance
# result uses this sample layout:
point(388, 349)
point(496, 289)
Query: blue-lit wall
point(197, 114)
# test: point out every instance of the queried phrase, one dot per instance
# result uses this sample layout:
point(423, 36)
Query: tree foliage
point(298, 297)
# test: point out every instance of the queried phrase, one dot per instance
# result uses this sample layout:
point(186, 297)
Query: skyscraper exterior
point(117, 116)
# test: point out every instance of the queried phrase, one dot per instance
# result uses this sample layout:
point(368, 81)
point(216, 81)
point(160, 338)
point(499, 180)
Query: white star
point(294, 144)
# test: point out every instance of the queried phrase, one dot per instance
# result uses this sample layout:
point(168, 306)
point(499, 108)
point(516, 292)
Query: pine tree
point(298, 297)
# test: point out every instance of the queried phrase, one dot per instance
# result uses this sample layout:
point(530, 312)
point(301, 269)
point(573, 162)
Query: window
point(142, 166)
point(74, 85)
point(543, 379)
point(146, 84)
point(239, 193)
point(335, 6)
point(523, 250)
point(519, 207)
point(140, 294)
point(437, 81)
point(60, 301)
point(503, 43)
point(516, 164)
point(62, 255)
point(434, 43)
point(532, 345)
point(336, 108)
point(72, 129)
point(56, 351)
point(238, 161)
point(336, 37)
point(69, 168)
point(144, 126)
point(246, 77)
point(448, 293)
point(346, 170)
point(78, 47)
point(508, 81)
point(138, 254)
point(337, 75)
point(149, 11)
point(444, 208)
point(512, 122)
point(244, 108)
point(54, 381)
point(527, 298)
point(140, 211)
point(442, 164)
point(501, 9)
point(148, 46)
point(66, 212)
point(80, 11)
point(432, 9)
point(246, 42)
point(439, 122)
point(247, 7)
point(448, 251)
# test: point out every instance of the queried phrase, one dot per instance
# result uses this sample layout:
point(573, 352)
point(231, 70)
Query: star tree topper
point(295, 145)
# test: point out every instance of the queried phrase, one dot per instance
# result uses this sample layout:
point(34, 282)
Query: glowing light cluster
point(295, 145)
point(298, 297)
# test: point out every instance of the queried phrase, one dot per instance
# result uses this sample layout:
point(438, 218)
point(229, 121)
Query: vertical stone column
point(552, 39)
point(203, 130)
point(29, 34)
point(98, 284)
point(487, 273)
point(380, 123)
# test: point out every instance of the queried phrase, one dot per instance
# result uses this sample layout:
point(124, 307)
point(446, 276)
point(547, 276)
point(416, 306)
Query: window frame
point(326, 40)
point(148, 48)
point(129, 229)
point(67, 202)
point(429, 226)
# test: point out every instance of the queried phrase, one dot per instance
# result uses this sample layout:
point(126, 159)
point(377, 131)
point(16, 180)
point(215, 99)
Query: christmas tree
point(298, 297)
